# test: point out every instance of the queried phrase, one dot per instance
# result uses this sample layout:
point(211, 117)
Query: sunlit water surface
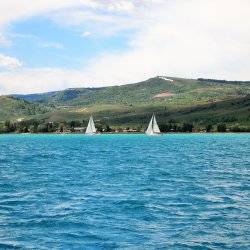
point(125, 191)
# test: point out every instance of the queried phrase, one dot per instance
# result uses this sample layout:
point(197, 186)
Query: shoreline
point(172, 133)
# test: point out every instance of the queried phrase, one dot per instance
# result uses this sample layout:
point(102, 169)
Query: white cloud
point(208, 38)
point(86, 34)
point(105, 18)
point(124, 5)
point(185, 38)
point(5, 42)
point(52, 45)
point(40, 80)
point(9, 63)
point(70, 12)
point(13, 10)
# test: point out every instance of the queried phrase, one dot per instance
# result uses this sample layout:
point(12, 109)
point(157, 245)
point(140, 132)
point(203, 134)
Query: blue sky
point(52, 44)
point(39, 42)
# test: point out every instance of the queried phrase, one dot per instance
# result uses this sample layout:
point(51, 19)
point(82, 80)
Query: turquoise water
point(125, 191)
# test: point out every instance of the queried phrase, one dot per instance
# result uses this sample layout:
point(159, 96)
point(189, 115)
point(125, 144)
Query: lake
point(177, 191)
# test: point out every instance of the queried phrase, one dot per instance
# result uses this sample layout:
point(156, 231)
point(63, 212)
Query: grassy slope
point(233, 112)
point(193, 100)
point(187, 91)
point(13, 108)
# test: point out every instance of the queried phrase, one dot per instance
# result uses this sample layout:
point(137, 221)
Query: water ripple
point(125, 192)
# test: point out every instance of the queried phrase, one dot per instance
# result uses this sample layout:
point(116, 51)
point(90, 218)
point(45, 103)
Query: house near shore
point(80, 129)
point(130, 130)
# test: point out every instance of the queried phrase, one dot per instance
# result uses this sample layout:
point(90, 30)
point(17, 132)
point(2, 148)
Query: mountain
point(154, 90)
point(36, 97)
point(12, 108)
point(200, 101)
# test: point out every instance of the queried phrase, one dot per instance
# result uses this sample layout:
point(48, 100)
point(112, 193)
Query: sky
point(48, 45)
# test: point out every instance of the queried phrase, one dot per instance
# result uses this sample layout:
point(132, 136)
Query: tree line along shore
point(36, 126)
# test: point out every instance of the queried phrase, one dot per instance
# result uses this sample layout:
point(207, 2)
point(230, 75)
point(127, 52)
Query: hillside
point(12, 108)
point(181, 91)
point(232, 112)
point(178, 100)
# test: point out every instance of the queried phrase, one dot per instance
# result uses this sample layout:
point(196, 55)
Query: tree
point(61, 127)
point(175, 128)
point(221, 127)
point(166, 127)
point(33, 129)
point(51, 127)
point(209, 128)
point(9, 127)
point(74, 124)
point(108, 129)
point(99, 127)
point(187, 127)
point(236, 129)
point(42, 128)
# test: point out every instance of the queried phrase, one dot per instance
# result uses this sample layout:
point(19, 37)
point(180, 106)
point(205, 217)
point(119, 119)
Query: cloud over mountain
point(180, 38)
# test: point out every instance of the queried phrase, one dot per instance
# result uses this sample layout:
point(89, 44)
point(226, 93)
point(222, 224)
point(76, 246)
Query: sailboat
point(91, 130)
point(153, 128)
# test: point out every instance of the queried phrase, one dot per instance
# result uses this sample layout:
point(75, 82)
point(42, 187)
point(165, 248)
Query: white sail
point(149, 130)
point(91, 130)
point(153, 128)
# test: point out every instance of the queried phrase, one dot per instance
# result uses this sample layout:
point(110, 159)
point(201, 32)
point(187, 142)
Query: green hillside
point(17, 109)
point(233, 112)
point(173, 100)
point(183, 92)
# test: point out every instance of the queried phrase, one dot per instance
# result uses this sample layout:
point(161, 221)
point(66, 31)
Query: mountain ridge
point(197, 101)
point(172, 84)
point(211, 80)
